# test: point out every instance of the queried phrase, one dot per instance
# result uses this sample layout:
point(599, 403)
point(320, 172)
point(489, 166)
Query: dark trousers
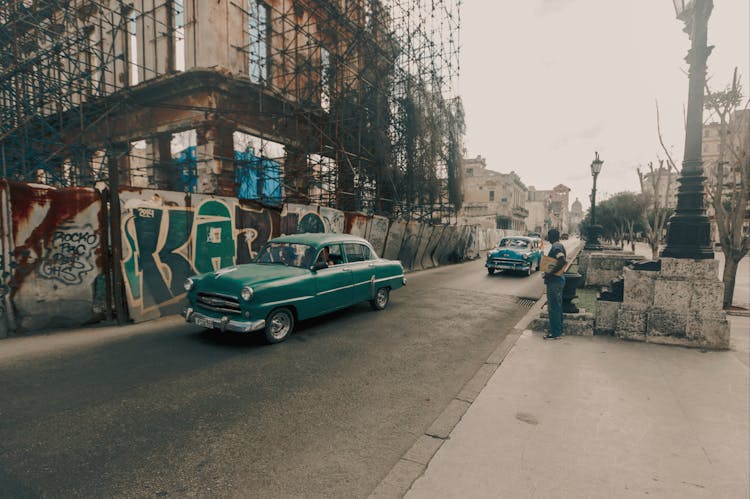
point(555, 285)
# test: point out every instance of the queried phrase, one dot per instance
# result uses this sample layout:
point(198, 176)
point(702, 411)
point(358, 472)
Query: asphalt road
point(164, 409)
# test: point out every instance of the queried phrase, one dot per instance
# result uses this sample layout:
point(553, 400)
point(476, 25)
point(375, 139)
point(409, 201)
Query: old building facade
point(493, 199)
point(733, 158)
point(548, 209)
point(576, 217)
point(664, 183)
point(293, 100)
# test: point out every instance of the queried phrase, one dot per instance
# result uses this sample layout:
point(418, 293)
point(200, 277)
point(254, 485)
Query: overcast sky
point(545, 83)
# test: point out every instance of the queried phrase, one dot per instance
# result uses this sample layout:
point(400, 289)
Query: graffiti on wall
point(69, 254)
point(56, 255)
point(301, 218)
point(165, 242)
point(333, 219)
point(53, 252)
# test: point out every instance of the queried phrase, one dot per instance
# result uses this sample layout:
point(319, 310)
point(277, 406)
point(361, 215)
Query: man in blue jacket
point(555, 285)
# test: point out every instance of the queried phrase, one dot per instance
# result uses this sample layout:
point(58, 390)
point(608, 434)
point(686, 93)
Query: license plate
point(200, 321)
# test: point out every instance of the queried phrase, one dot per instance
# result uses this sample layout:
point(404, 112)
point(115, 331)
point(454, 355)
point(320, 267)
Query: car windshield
point(514, 243)
point(289, 254)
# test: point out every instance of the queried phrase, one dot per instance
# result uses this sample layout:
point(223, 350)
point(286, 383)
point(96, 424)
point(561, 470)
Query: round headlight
point(247, 293)
point(188, 284)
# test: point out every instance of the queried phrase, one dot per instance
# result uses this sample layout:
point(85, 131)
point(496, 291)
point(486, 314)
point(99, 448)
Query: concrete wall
point(54, 262)
point(53, 258)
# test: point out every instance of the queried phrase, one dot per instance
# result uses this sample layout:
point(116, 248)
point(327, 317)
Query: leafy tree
point(729, 186)
point(628, 206)
point(618, 215)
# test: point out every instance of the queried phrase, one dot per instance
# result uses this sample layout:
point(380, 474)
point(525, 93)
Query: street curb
point(414, 462)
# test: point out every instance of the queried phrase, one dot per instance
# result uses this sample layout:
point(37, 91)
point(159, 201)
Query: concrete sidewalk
point(598, 417)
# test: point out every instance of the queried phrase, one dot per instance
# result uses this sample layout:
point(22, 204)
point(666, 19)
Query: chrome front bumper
point(223, 324)
point(508, 265)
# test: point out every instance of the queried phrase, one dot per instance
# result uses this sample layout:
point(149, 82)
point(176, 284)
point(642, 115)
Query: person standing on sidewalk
point(555, 285)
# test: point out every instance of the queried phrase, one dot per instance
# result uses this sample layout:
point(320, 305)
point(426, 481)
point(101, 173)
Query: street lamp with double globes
point(592, 242)
point(689, 230)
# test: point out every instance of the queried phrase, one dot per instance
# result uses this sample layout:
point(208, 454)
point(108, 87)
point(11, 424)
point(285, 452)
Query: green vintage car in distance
point(291, 279)
point(516, 253)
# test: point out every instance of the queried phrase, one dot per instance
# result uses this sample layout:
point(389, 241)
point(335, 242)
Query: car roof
point(525, 238)
point(319, 238)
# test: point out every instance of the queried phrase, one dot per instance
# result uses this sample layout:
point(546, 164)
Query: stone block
point(685, 268)
point(661, 322)
point(605, 261)
point(581, 316)
point(539, 324)
point(670, 294)
point(708, 330)
point(606, 316)
point(578, 328)
point(639, 286)
point(707, 296)
point(583, 262)
point(603, 267)
point(631, 335)
point(631, 321)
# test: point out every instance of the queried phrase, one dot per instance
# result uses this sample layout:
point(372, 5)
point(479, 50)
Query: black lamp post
point(689, 230)
point(592, 243)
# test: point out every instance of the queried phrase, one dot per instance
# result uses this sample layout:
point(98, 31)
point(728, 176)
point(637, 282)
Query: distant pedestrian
point(555, 285)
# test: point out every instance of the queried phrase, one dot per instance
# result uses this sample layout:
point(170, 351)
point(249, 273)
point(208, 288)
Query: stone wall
point(601, 267)
point(681, 304)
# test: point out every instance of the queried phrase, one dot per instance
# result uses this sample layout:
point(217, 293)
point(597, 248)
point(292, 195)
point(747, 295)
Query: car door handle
point(371, 265)
point(346, 270)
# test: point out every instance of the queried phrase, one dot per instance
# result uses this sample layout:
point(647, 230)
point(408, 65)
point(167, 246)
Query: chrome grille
point(219, 302)
point(511, 261)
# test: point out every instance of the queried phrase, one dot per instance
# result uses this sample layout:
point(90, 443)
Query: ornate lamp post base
point(592, 242)
point(689, 236)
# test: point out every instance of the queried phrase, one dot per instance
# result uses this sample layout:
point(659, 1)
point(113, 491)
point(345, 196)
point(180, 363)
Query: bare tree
point(656, 211)
point(728, 186)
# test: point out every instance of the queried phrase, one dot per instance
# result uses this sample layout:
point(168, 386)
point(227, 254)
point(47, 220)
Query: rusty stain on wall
point(57, 254)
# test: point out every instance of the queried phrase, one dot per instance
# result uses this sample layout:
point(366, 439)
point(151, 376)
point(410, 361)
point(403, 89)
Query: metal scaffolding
point(355, 102)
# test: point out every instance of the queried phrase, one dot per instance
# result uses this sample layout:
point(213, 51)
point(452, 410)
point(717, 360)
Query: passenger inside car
point(330, 257)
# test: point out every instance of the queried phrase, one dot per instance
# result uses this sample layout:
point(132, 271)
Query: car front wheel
point(279, 325)
point(381, 299)
point(490, 271)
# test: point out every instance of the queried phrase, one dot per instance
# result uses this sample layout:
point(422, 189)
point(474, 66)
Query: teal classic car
point(292, 278)
point(517, 253)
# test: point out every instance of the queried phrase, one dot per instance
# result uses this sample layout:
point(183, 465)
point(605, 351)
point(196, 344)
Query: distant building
point(738, 140)
point(548, 209)
point(492, 199)
point(576, 216)
point(663, 179)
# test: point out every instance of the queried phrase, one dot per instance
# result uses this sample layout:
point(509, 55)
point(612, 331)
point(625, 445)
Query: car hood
point(233, 279)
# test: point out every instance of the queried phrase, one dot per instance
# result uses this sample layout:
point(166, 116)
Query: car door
point(363, 264)
point(334, 283)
